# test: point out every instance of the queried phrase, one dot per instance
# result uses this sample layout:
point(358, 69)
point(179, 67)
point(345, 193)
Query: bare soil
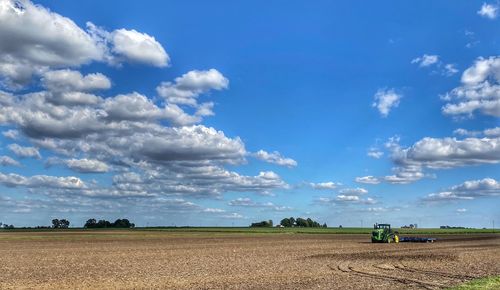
point(140, 259)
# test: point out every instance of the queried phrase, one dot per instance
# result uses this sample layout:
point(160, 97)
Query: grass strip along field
point(488, 283)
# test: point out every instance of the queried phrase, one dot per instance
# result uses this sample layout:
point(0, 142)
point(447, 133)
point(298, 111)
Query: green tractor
point(382, 233)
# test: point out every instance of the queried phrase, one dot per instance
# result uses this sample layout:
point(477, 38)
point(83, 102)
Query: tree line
point(91, 223)
point(119, 223)
point(300, 222)
point(262, 224)
point(291, 222)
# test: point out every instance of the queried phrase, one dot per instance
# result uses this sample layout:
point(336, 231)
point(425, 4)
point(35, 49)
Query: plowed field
point(148, 259)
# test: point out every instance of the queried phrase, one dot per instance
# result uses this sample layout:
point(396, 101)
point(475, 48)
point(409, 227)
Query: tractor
point(382, 233)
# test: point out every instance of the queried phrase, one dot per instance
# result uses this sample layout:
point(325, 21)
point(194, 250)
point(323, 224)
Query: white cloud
point(461, 210)
point(233, 215)
point(492, 132)
point(479, 92)
point(367, 180)
point(71, 80)
point(132, 106)
point(87, 165)
point(151, 148)
point(377, 209)
point(488, 11)
point(385, 100)
point(138, 47)
point(213, 210)
point(247, 202)
point(344, 199)
point(353, 191)
point(354, 199)
point(450, 69)
point(11, 134)
point(469, 190)
point(24, 151)
point(188, 87)
point(426, 60)
point(39, 38)
point(375, 153)
point(440, 67)
point(242, 201)
point(275, 158)
point(36, 181)
point(441, 153)
point(8, 161)
point(325, 185)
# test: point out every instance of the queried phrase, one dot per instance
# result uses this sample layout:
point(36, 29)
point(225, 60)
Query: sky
point(202, 113)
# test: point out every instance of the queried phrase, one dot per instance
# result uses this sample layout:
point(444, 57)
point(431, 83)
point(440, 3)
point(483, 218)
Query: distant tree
point(268, 223)
point(324, 225)
point(119, 223)
point(64, 224)
point(56, 223)
point(60, 224)
point(103, 224)
point(286, 222)
point(300, 222)
point(122, 223)
point(90, 223)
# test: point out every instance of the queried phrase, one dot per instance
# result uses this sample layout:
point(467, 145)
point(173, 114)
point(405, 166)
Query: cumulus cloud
point(325, 185)
point(138, 47)
point(40, 39)
point(87, 165)
point(155, 151)
point(8, 161)
point(426, 60)
point(367, 180)
point(450, 69)
point(479, 92)
point(353, 199)
point(36, 181)
point(233, 215)
point(275, 158)
point(385, 100)
point(491, 132)
point(213, 210)
point(24, 152)
point(488, 11)
point(353, 191)
point(71, 80)
point(439, 66)
point(11, 134)
point(186, 89)
point(441, 153)
point(469, 190)
point(375, 153)
point(247, 202)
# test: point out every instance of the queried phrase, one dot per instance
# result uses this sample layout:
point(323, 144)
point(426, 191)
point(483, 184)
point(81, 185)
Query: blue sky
point(198, 113)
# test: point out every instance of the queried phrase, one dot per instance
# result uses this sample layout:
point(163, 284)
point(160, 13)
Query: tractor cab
point(382, 233)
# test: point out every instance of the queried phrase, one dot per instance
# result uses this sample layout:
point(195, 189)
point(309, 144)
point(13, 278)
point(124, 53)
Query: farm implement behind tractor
point(382, 233)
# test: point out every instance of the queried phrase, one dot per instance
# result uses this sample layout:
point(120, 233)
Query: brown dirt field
point(138, 259)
